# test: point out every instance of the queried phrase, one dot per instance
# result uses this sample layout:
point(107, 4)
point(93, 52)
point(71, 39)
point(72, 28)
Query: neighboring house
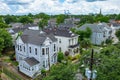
point(15, 30)
point(68, 23)
point(16, 25)
point(36, 21)
point(115, 26)
point(35, 50)
point(52, 22)
point(100, 32)
point(67, 41)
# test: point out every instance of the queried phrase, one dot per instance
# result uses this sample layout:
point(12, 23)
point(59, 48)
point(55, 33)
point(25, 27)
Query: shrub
point(60, 56)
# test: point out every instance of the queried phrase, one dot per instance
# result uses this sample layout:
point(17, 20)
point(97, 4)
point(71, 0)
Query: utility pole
point(91, 64)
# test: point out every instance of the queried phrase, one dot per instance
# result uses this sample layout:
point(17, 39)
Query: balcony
point(74, 46)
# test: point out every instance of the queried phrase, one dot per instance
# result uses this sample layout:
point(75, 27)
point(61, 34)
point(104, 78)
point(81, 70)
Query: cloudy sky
point(18, 7)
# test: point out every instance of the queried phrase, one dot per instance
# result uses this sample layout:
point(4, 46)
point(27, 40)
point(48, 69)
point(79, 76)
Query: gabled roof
point(95, 27)
point(60, 32)
point(36, 37)
point(31, 61)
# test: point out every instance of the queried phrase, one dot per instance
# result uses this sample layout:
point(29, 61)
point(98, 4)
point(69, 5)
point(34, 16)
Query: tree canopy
point(43, 23)
point(9, 19)
point(84, 34)
point(5, 39)
point(60, 56)
point(62, 72)
point(3, 25)
point(60, 18)
point(25, 19)
point(117, 33)
point(106, 62)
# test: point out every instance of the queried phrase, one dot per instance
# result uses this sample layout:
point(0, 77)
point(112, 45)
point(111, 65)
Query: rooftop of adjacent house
point(22, 28)
point(16, 25)
point(31, 61)
point(36, 37)
point(65, 32)
point(101, 27)
point(68, 25)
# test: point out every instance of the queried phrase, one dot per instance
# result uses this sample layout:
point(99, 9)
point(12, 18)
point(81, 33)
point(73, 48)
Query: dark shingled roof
point(60, 32)
point(31, 61)
point(36, 37)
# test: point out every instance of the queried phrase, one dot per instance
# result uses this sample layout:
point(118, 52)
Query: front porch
point(30, 67)
point(73, 49)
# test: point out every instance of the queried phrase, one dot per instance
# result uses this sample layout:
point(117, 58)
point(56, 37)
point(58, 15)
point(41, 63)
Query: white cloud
point(56, 7)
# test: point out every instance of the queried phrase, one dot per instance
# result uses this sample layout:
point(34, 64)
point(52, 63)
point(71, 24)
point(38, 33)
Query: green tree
point(25, 19)
point(85, 43)
point(60, 18)
point(8, 19)
point(109, 65)
point(118, 17)
point(60, 56)
point(1, 45)
point(6, 37)
point(42, 23)
point(117, 33)
point(106, 62)
point(62, 72)
point(84, 34)
point(109, 41)
point(1, 20)
point(42, 16)
point(3, 25)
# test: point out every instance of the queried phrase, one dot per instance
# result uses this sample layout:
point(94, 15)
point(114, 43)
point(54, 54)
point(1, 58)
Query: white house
point(35, 50)
point(100, 32)
point(66, 40)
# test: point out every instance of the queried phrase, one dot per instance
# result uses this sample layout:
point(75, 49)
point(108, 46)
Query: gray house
point(100, 32)
point(35, 50)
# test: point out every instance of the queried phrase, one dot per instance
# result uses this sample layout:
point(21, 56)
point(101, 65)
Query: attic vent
point(72, 34)
point(41, 32)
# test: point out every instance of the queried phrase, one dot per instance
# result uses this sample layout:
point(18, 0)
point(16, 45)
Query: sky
point(52, 7)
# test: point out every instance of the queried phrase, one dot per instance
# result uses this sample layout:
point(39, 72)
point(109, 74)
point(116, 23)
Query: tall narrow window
point(69, 41)
point(36, 51)
point(44, 64)
point(59, 40)
point(24, 48)
point(20, 48)
point(54, 47)
point(47, 50)
point(30, 49)
point(43, 51)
